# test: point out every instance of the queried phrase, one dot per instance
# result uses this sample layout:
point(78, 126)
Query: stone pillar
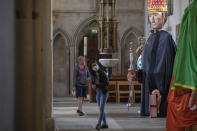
point(33, 76)
point(24, 65)
point(146, 23)
point(114, 35)
point(113, 9)
point(107, 35)
point(47, 65)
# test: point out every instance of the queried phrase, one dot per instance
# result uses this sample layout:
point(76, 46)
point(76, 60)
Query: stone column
point(113, 9)
point(47, 65)
point(34, 88)
point(108, 35)
point(102, 8)
point(115, 26)
point(146, 23)
point(24, 66)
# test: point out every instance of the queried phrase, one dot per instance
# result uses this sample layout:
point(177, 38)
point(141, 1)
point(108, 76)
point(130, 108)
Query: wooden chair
point(191, 128)
point(122, 88)
point(125, 90)
point(113, 90)
point(137, 90)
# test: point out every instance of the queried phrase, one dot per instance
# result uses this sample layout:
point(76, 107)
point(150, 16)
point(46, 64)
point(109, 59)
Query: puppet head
point(157, 12)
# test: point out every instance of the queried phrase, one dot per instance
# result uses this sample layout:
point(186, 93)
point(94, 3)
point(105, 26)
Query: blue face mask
point(95, 68)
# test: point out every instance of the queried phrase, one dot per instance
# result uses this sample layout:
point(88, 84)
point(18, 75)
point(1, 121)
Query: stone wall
point(178, 11)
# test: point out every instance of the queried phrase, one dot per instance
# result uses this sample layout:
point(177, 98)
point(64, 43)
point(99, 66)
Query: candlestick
point(131, 87)
point(85, 46)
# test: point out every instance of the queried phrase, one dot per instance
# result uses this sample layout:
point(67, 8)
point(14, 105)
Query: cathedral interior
point(41, 40)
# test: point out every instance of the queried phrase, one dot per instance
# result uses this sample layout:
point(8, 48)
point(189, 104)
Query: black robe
point(157, 63)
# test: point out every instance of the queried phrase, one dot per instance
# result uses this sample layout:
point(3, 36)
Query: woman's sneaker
point(81, 114)
point(104, 126)
point(78, 111)
point(98, 127)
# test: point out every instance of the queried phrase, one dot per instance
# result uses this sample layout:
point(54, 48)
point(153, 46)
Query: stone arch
point(61, 64)
point(65, 35)
point(129, 31)
point(79, 32)
point(130, 34)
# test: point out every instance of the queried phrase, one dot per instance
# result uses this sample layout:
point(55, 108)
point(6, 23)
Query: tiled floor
point(118, 117)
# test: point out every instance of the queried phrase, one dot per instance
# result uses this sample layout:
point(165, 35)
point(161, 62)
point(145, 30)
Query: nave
point(118, 117)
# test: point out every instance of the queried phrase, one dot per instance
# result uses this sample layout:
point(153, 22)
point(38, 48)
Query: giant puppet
point(158, 59)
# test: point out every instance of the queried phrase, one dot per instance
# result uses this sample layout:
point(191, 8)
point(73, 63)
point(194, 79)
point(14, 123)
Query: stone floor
point(118, 117)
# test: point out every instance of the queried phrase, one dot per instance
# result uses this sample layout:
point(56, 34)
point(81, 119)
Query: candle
point(85, 46)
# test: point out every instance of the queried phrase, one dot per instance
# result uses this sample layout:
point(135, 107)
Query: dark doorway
point(92, 47)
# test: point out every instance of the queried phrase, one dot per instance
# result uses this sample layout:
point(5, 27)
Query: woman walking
point(100, 84)
point(81, 78)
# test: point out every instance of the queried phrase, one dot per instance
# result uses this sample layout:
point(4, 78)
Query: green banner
point(185, 64)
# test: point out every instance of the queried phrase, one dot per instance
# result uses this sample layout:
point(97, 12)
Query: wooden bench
point(123, 90)
point(191, 128)
point(119, 88)
point(137, 90)
point(113, 93)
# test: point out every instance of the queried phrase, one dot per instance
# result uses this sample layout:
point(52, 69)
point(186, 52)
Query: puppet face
point(157, 19)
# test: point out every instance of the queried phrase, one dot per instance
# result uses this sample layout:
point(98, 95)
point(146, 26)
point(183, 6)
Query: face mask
point(95, 68)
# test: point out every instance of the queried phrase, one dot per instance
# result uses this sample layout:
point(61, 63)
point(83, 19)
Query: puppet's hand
point(156, 92)
point(193, 100)
point(139, 50)
point(131, 75)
